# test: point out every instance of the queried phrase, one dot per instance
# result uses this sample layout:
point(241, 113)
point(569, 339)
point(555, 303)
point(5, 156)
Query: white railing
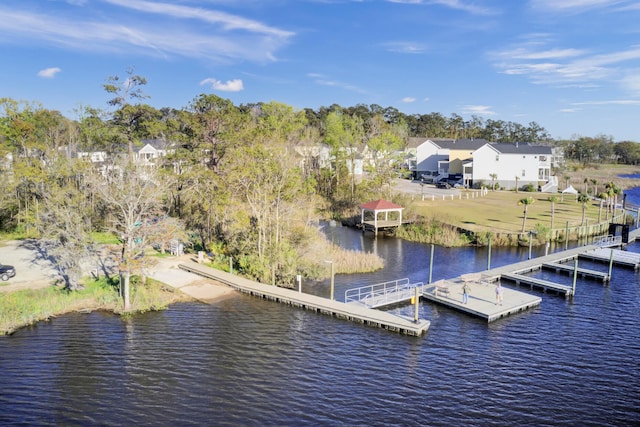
point(605, 241)
point(384, 293)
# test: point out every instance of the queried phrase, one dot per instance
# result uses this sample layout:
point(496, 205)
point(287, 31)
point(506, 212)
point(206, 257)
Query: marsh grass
point(26, 307)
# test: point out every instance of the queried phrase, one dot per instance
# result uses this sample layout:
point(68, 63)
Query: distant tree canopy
point(435, 125)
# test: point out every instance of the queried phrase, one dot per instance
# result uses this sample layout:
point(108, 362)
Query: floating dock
point(621, 258)
point(535, 283)
point(482, 299)
point(352, 311)
point(583, 272)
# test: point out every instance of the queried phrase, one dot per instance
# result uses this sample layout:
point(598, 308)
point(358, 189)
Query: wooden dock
point(535, 283)
point(622, 258)
point(353, 311)
point(482, 299)
point(583, 272)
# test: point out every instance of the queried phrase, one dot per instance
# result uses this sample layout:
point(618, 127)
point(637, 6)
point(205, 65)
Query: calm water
point(246, 361)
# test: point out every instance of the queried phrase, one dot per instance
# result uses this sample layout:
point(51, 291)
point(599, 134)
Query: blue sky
point(572, 66)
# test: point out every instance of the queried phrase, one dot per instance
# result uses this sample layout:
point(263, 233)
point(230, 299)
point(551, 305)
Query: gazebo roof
point(380, 205)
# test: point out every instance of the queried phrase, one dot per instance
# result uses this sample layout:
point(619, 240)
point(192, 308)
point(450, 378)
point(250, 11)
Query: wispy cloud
point(324, 81)
point(568, 67)
point(227, 21)
point(404, 47)
point(220, 37)
point(234, 85)
point(49, 73)
point(609, 102)
point(408, 100)
point(574, 6)
point(465, 6)
point(479, 110)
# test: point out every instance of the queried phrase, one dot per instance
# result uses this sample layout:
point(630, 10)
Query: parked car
point(7, 272)
point(443, 184)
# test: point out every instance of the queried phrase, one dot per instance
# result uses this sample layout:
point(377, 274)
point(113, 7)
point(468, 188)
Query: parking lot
point(416, 187)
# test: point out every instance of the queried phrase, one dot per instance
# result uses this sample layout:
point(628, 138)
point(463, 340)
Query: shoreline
point(37, 273)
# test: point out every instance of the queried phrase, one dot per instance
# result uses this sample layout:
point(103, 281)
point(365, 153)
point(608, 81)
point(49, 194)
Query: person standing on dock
point(498, 294)
point(465, 293)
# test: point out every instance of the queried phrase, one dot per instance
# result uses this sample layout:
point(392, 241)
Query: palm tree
point(566, 181)
point(553, 200)
point(493, 176)
point(595, 186)
point(584, 199)
point(586, 186)
point(526, 202)
point(613, 190)
point(602, 197)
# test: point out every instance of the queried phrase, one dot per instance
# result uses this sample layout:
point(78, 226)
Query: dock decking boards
point(353, 312)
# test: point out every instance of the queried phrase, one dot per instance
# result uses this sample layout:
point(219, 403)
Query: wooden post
point(231, 265)
point(333, 275)
point(566, 237)
point(610, 265)
point(417, 301)
point(575, 274)
point(489, 253)
point(431, 265)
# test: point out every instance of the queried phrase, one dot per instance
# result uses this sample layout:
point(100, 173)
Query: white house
point(152, 150)
point(512, 163)
point(440, 158)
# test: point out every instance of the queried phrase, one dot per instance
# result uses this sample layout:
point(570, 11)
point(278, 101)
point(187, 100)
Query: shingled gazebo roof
point(380, 205)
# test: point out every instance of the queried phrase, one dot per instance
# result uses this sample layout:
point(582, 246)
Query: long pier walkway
point(354, 312)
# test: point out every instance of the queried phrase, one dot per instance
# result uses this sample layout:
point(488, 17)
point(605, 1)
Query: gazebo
point(377, 207)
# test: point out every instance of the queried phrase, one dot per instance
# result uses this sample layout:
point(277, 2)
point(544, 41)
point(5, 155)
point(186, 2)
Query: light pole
point(333, 275)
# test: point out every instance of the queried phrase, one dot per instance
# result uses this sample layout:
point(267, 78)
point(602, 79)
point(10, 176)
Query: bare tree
point(133, 196)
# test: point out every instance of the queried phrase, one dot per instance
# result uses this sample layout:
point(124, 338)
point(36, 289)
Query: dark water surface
point(245, 361)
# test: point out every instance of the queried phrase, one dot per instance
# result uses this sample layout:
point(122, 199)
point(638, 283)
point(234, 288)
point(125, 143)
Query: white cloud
point(408, 100)
point(49, 73)
point(574, 5)
point(404, 47)
point(479, 110)
point(565, 67)
point(609, 102)
point(464, 6)
point(228, 21)
point(234, 85)
point(324, 81)
point(224, 38)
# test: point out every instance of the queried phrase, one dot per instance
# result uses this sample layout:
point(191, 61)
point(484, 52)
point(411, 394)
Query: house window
point(497, 157)
point(543, 158)
point(523, 172)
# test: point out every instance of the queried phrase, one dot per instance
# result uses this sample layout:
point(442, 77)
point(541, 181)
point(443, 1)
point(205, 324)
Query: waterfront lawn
point(499, 211)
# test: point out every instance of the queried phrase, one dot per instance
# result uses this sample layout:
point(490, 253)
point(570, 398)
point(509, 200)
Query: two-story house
point(513, 164)
point(438, 159)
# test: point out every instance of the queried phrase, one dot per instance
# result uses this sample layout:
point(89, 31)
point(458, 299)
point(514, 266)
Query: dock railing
point(384, 293)
point(607, 241)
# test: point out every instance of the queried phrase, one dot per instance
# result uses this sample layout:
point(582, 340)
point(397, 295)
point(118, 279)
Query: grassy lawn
point(499, 211)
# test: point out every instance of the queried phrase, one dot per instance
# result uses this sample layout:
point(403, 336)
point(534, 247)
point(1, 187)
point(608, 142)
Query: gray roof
point(522, 148)
point(461, 144)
